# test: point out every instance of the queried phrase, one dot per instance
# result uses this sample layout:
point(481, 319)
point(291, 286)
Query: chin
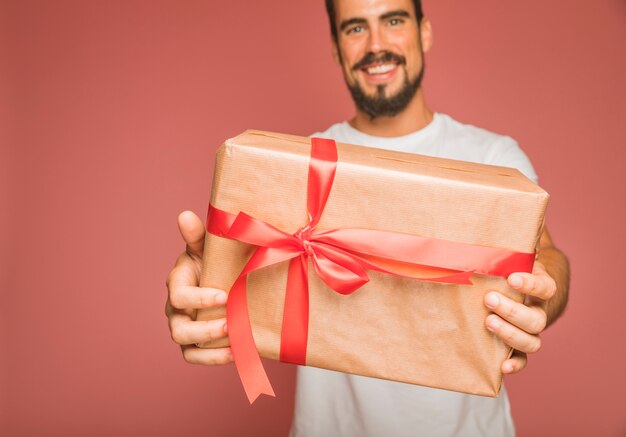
point(384, 90)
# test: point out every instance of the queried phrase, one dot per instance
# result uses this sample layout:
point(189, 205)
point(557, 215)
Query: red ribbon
point(340, 257)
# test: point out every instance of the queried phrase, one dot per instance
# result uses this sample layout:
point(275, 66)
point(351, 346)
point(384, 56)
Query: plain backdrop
point(110, 114)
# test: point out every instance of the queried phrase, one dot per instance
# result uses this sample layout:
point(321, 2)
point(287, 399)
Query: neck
point(414, 117)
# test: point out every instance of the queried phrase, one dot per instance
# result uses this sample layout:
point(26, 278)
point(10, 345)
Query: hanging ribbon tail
point(249, 366)
point(247, 359)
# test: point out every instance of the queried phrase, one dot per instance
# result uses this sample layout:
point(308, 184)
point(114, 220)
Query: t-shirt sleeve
point(507, 153)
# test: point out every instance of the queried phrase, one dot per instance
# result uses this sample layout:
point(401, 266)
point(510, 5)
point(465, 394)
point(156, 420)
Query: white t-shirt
point(337, 404)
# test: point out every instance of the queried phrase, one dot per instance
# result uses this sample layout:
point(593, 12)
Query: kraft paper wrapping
point(418, 332)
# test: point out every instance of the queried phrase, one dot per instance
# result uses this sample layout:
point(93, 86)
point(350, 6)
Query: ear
point(426, 33)
point(335, 52)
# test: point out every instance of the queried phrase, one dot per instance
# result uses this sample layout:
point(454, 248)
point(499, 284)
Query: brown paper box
point(406, 330)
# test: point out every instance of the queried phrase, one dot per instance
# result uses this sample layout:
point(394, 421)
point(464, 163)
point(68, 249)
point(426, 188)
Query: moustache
point(380, 57)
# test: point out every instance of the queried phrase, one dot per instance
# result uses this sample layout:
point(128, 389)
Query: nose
point(376, 39)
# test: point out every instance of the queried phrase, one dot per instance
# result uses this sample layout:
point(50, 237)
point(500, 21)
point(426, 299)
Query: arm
point(546, 290)
point(185, 297)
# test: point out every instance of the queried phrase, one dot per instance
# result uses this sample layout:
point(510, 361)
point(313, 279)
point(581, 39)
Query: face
point(380, 48)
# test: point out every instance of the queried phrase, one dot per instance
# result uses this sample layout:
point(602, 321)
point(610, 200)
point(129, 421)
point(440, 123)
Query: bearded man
point(380, 46)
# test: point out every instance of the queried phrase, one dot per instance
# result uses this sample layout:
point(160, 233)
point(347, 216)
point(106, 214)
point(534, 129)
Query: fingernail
point(225, 328)
point(494, 322)
point(221, 298)
point(492, 300)
point(515, 281)
point(508, 368)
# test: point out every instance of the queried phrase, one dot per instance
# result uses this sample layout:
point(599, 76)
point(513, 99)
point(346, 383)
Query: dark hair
point(330, 9)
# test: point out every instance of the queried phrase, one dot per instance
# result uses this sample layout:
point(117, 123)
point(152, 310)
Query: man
point(380, 46)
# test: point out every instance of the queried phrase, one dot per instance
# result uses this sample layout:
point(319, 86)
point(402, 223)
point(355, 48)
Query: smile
point(380, 69)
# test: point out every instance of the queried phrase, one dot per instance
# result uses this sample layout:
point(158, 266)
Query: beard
point(380, 104)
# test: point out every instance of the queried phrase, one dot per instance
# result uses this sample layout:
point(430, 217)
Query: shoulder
point(337, 131)
point(471, 136)
point(472, 143)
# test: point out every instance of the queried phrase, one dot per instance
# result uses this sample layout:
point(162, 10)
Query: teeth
point(381, 69)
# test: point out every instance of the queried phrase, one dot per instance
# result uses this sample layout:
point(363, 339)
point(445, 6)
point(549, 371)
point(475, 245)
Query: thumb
point(192, 231)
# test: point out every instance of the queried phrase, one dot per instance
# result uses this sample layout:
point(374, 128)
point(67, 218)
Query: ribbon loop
point(340, 270)
point(259, 233)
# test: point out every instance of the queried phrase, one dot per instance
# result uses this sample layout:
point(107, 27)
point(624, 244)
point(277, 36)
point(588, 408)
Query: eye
point(355, 29)
point(395, 21)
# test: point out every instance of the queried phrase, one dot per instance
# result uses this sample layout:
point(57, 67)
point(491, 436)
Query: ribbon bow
point(340, 257)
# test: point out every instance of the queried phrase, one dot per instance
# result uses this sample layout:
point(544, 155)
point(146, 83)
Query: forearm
point(557, 266)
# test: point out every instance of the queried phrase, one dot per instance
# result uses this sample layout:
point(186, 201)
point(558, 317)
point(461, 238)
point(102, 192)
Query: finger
point(531, 319)
point(185, 272)
point(187, 297)
point(183, 291)
point(538, 284)
point(512, 335)
point(185, 331)
point(517, 362)
point(170, 310)
point(207, 357)
point(192, 231)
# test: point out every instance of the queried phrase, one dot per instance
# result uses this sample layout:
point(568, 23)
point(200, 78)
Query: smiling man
point(380, 46)
point(382, 60)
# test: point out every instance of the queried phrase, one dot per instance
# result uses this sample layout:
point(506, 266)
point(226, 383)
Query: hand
point(519, 324)
point(185, 297)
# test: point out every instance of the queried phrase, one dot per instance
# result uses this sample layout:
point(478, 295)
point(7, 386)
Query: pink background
point(111, 113)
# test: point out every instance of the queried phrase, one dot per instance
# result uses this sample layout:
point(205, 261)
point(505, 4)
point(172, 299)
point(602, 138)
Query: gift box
point(333, 243)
